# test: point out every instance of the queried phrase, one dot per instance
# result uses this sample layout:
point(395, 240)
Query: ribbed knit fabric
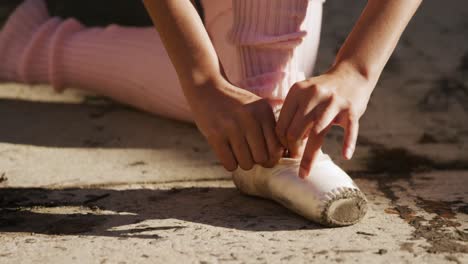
point(272, 43)
point(266, 33)
point(264, 46)
point(127, 64)
point(16, 34)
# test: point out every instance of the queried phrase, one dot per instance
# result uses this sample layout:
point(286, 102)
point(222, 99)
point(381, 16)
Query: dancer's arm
point(340, 96)
point(237, 124)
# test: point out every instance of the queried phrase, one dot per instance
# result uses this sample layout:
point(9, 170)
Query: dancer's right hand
point(239, 125)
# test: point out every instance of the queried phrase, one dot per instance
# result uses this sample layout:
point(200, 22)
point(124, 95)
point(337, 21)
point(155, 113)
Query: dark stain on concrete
point(30, 240)
point(407, 246)
point(434, 232)
point(137, 163)
point(398, 162)
point(348, 251)
point(386, 165)
point(389, 164)
point(444, 92)
point(381, 251)
point(445, 209)
point(365, 233)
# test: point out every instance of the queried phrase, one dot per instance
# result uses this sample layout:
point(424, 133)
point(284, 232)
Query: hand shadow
point(134, 213)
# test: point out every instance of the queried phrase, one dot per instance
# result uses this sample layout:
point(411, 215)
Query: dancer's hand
point(311, 107)
point(239, 126)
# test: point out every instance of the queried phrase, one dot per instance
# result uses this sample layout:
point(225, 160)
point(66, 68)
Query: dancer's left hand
point(338, 97)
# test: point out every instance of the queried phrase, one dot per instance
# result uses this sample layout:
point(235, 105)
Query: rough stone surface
point(85, 180)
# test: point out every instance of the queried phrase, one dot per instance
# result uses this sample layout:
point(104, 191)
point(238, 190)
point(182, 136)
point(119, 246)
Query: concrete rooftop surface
point(87, 180)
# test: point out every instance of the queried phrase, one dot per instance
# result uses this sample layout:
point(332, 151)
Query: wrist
point(363, 73)
point(354, 86)
point(354, 76)
point(202, 83)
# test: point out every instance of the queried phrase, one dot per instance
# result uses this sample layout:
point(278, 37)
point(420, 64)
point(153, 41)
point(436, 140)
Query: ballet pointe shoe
point(327, 196)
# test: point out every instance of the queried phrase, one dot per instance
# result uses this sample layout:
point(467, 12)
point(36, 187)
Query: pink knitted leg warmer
point(16, 35)
point(127, 64)
point(272, 43)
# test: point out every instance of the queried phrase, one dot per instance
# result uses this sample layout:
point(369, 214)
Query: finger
point(311, 152)
point(223, 151)
point(275, 149)
point(351, 134)
point(295, 129)
point(302, 124)
point(241, 150)
point(327, 116)
point(256, 142)
point(288, 110)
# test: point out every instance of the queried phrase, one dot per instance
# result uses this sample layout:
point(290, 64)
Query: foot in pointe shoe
point(327, 196)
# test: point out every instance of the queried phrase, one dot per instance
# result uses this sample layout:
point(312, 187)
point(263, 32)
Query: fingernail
point(349, 153)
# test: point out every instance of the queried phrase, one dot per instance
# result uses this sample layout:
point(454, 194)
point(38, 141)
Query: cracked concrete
point(85, 180)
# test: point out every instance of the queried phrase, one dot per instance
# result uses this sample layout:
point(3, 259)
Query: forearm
point(186, 41)
point(374, 37)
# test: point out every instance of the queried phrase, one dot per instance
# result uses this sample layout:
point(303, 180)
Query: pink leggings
point(265, 46)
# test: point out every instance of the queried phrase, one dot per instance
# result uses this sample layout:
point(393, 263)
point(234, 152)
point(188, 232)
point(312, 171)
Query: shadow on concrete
point(89, 125)
point(134, 213)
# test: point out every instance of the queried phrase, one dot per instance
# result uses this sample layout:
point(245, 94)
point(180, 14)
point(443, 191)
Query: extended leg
point(127, 64)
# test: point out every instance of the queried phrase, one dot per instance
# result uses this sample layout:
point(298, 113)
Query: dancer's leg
point(131, 65)
point(127, 64)
point(272, 45)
